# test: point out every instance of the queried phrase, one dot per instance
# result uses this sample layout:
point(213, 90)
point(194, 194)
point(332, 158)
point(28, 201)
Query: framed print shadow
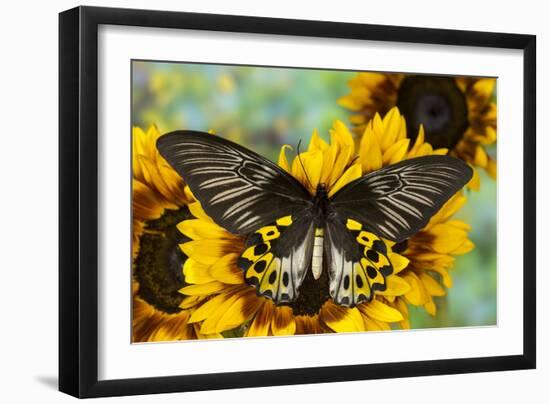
point(251, 201)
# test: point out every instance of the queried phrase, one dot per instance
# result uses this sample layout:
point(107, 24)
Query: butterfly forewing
point(397, 201)
point(241, 190)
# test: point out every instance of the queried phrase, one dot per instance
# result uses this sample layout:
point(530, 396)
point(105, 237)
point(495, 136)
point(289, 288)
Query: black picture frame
point(78, 200)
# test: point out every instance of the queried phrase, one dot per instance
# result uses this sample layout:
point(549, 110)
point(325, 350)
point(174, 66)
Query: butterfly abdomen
point(317, 257)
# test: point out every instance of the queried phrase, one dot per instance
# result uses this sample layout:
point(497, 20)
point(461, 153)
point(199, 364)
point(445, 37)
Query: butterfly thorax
point(321, 204)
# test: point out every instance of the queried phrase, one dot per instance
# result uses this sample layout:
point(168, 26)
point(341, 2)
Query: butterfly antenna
point(302, 164)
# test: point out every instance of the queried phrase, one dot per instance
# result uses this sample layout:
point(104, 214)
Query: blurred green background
point(264, 108)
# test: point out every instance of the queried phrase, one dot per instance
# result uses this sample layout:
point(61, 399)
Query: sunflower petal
point(398, 261)
point(380, 311)
point(239, 312)
point(203, 288)
point(432, 286)
point(208, 251)
point(351, 174)
point(283, 162)
point(342, 319)
point(208, 308)
point(262, 321)
point(316, 143)
point(283, 321)
point(198, 229)
point(417, 295)
point(395, 286)
point(196, 272)
point(225, 270)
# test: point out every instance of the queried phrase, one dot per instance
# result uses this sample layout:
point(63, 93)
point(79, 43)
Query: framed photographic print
point(251, 201)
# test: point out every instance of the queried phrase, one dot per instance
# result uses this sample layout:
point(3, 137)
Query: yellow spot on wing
point(285, 221)
point(269, 233)
point(353, 225)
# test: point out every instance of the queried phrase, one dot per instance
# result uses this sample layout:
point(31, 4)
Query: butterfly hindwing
point(277, 257)
point(241, 190)
point(397, 201)
point(357, 262)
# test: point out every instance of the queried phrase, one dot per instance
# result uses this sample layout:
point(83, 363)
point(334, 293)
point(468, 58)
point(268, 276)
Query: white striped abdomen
point(317, 259)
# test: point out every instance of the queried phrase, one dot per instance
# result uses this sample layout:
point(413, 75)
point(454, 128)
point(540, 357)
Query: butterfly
point(288, 230)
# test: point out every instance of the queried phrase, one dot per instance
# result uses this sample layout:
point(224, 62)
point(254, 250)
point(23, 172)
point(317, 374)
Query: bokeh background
point(264, 108)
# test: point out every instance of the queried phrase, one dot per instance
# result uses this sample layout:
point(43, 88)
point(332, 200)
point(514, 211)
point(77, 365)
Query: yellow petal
point(395, 286)
point(483, 90)
point(380, 311)
point(418, 142)
point(196, 272)
point(392, 126)
point(480, 157)
point(207, 251)
point(425, 149)
point(404, 310)
point(452, 206)
point(262, 321)
point(430, 307)
point(372, 324)
point(442, 152)
point(465, 248)
point(316, 143)
point(371, 80)
point(196, 210)
point(283, 162)
point(370, 152)
point(210, 324)
point(342, 319)
point(341, 135)
point(209, 308)
point(312, 162)
point(188, 194)
point(398, 261)
point(190, 301)
point(225, 270)
point(475, 182)
point(351, 174)
point(198, 229)
point(308, 325)
point(283, 321)
point(432, 286)
point(240, 311)
point(417, 294)
point(349, 102)
point(396, 152)
point(342, 160)
point(446, 238)
point(203, 288)
point(445, 277)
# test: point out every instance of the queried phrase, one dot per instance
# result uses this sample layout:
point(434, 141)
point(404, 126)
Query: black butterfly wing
point(241, 190)
point(397, 201)
point(357, 262)
point(277, 257)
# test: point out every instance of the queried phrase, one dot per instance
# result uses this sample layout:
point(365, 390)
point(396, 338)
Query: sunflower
point(224, 303)
point(159, 203)
point(457, 114)
point(431, 252)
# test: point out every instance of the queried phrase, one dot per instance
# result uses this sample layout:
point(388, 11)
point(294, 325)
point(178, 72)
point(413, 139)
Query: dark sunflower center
point(158, 265)
point(312, 295)
point(438, 104)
